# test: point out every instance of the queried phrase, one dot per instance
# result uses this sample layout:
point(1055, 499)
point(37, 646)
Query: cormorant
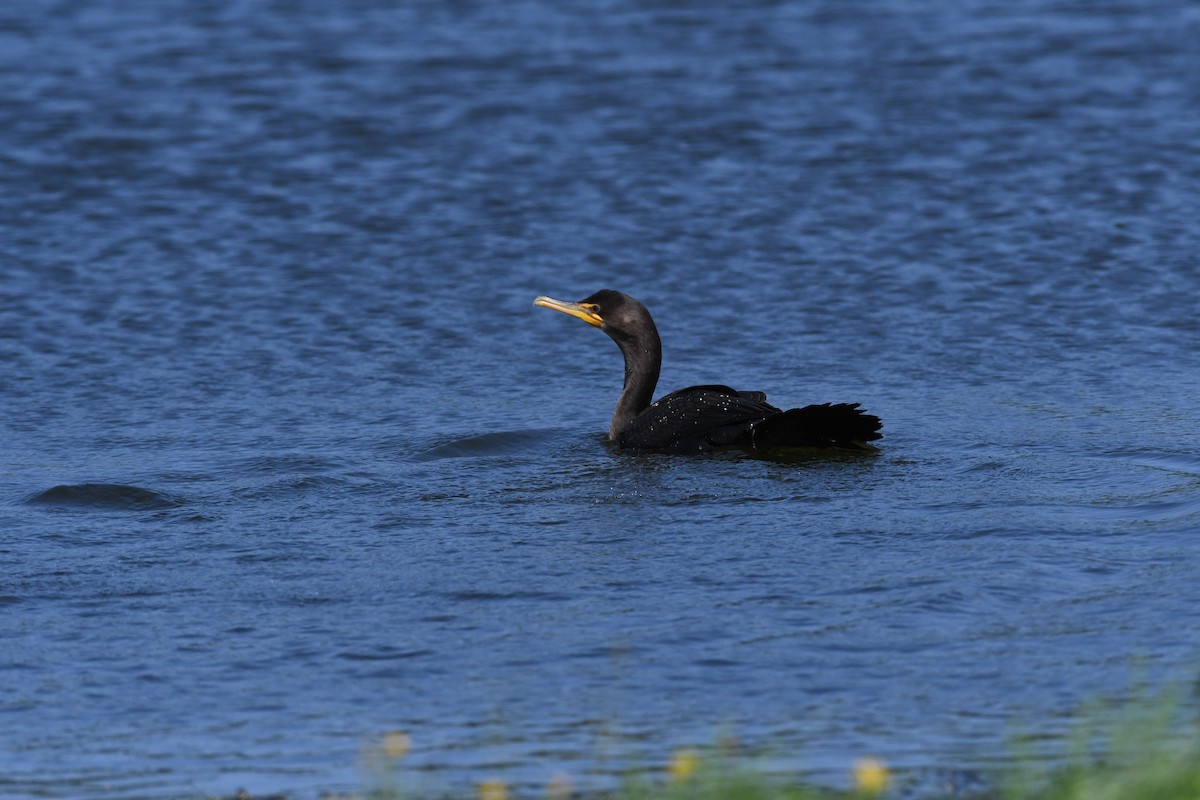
point(700, 418)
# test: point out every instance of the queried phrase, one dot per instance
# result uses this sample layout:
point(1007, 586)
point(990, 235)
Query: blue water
point(291, 461)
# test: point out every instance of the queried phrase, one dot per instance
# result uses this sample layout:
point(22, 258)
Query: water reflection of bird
point(701, 418)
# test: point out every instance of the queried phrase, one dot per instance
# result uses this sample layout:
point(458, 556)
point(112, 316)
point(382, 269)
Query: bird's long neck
point(643, 359)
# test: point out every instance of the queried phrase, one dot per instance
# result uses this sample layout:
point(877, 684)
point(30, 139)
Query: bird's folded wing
point(696, 419)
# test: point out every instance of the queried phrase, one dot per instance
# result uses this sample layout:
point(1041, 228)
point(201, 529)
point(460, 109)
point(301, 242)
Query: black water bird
point(701, 418)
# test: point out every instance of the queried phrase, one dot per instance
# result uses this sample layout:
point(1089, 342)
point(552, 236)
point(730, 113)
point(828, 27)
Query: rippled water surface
point(290, 460)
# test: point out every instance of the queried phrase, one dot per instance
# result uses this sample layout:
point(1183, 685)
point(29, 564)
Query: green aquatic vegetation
point(703, 775)
point(1147, 748)
point(1144, 749)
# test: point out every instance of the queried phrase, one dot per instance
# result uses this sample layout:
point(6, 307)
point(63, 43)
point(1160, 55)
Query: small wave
point(1185, 464)
point(286, 463)
point(472, 595)
point(105, 495)
point(1155, 510)
point(483, 445)
point(297, 485)
point(385, 655)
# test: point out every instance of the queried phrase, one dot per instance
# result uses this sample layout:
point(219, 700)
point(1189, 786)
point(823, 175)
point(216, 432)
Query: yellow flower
point(684, 765)
point(493, 789)
point(871, 776)
point(396, 744)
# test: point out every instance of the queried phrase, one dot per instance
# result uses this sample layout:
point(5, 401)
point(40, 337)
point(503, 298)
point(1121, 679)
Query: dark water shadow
point(777, 455)
point(114, 496)
point(810, 456)
point(485, 445)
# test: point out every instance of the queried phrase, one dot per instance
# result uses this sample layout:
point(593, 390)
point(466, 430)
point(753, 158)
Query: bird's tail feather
point(825, 425)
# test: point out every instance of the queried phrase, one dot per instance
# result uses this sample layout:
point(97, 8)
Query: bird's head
point(617, 314)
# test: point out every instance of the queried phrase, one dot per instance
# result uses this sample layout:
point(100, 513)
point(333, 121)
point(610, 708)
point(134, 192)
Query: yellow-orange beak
point(585, 311)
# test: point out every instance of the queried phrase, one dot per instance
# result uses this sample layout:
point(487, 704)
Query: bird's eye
point(592, 307)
